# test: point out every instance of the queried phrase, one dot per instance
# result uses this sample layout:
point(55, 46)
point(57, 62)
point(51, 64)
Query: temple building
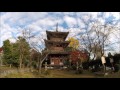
point(56, 47)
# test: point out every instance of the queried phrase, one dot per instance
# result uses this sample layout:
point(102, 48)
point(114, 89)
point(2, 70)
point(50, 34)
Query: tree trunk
point(30, 69)
point(20, 62)
point(45, 66)
point(40, 68)
point(89, 56)
point(94, 57)
point(77, 66)
point(10, 65)
point(40, 64)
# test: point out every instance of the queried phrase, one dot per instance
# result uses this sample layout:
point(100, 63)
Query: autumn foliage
point(74, 43)
point(78, 56)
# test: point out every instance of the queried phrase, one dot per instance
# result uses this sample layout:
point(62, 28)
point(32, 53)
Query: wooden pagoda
point(56, 47)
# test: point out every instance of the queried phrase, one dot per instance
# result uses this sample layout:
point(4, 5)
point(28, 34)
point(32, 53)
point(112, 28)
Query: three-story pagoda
point(56, 47)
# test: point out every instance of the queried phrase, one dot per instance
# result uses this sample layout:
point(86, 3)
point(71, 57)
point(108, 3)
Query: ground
point(60, 74)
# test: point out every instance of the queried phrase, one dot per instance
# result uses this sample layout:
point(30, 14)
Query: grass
point(20, 75)
point(68, 74)
point(60, 74)
point(113, 75)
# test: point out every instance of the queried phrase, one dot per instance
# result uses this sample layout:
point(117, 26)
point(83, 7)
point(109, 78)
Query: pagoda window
point(52, 62)
point(61, 61)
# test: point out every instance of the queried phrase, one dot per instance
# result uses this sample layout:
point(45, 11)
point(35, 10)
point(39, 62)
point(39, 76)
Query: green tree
point(7, 52)
point(16, 54)
point(23, 50)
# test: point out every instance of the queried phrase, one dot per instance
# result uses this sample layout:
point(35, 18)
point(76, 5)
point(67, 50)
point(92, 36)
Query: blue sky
point(12, 23)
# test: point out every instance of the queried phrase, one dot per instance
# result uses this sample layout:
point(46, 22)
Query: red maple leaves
point(78, 55)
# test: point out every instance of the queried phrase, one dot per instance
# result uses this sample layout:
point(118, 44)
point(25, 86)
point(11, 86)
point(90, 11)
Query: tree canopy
point(74, 43)
point(14, 51)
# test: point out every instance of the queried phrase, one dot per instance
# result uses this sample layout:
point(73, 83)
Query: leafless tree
point(38, 45)
point(95, 35)
point(28, 35)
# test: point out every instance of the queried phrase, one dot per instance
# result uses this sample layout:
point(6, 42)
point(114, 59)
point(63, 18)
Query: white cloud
point(12, 40)
point(12, 23)
point(116, 14)
point(80, 23)
point(45, 22)
point(6, 36)
point(71, 21)
point(69, 13)
point(73, 32)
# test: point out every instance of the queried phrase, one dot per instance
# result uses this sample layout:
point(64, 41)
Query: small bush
point(73, 67)
point(47, 72)
point(79, 71)
point(117, 67)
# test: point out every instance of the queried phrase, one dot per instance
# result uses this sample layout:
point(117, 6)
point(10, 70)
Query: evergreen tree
point(7, 52)
point(16, 54)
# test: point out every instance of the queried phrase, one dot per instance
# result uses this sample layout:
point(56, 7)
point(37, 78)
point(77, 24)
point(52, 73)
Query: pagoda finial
point(57, 27)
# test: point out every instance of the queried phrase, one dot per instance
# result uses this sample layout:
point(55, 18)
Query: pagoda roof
point(47, 42)
point(50, 41)
point(56, 34)
point(57, 52)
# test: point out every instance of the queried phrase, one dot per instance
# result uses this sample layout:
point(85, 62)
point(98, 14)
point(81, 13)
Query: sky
point(12, 23)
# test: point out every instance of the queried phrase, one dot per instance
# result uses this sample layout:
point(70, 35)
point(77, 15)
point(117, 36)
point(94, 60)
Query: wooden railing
point(52, 50)
point(57, 49)
point(56, 39)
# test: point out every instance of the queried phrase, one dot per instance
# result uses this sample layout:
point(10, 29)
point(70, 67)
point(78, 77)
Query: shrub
point(47, 72)
point(117, 67)
point(79, 71)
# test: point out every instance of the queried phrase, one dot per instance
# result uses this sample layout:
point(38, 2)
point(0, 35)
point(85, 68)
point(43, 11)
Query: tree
point(74, 43)
point(23, 48)
point(34, 57)
point(24, 51)
point(10, 53)
point(28, 35)
point(16, 53)
point(38, 46)
point(35, 42)
point(7, 52)
point(95, 35)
